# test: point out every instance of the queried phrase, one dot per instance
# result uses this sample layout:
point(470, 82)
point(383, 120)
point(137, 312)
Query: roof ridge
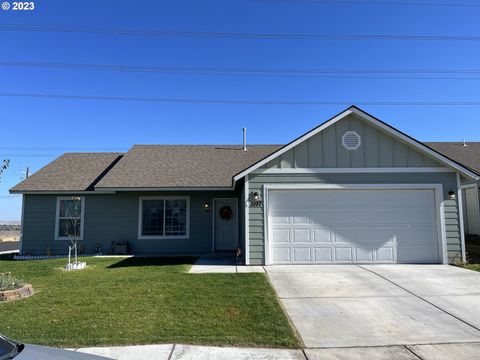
point(209, 145)
point(93, 153)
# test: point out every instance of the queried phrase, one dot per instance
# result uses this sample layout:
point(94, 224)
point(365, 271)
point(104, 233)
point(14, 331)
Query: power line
point(240, 101)
point(460, 74)
point(26, 155)
point(371, 2)
point(59, 148)
point(230, 35)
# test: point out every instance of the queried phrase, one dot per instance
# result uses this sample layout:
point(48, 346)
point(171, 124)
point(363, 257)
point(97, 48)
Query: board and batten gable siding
point(447, 179)
point(377, 149)
point(114, 217)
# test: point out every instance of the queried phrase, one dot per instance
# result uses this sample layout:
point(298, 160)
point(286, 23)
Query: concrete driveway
point(406, 306)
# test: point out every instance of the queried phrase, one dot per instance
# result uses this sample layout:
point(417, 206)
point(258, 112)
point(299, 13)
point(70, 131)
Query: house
point(467, 154)
point(352, 190)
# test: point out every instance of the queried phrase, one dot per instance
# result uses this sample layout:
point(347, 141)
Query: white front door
point(353, 226)
point(225, 219)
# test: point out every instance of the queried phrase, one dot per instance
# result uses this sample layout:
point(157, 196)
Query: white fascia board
point(374, 122)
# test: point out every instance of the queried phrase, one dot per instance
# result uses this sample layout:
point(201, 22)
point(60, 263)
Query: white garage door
point(352, 226)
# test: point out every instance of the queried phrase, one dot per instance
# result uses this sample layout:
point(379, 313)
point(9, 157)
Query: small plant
point(72, 229)
point(9, 282)
point(457, 261)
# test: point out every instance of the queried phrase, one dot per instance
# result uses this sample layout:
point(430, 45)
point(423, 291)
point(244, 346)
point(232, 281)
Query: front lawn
point(474, 267)
point(142, 301)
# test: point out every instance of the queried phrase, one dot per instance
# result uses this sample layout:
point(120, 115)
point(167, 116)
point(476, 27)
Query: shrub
point(9, 282)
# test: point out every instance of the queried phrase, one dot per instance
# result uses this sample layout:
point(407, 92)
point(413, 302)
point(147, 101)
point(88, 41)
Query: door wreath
point(226, 212)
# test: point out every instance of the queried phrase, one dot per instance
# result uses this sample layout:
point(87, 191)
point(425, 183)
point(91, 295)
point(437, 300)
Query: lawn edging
point(17, 294)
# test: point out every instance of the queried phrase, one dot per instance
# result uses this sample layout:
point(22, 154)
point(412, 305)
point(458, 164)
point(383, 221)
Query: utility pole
point(27, 173)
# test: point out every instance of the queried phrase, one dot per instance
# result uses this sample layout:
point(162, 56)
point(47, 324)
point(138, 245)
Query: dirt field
point(9, 238)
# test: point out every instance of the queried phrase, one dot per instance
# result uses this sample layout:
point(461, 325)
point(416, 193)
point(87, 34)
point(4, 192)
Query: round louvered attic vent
point(351, 140)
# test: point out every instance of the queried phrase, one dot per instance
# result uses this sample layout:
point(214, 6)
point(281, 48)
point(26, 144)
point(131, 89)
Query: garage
point(353, 225)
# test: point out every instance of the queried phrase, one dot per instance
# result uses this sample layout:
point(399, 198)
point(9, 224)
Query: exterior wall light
point(206, 206)
point(255, 199)
point(452, 195)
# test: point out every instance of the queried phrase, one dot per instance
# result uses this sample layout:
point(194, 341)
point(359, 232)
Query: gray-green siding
point(114, 217)
point(378, 149)
point(448, 181)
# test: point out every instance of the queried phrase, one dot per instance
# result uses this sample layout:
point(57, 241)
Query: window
point(69, 218)
point(164, 217)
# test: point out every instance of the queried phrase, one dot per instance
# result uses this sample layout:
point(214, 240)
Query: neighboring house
point(352, 190)
point(469, 155)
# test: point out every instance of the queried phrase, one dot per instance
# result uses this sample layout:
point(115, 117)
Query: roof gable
point(375, 149)
point(380, 153)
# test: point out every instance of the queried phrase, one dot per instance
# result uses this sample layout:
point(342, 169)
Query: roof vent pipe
point(464, 143)
point(244, 139)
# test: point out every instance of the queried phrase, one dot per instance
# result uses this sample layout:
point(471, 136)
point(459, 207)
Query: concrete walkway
point(221, 263)
point(465, 351)
point(340, 306)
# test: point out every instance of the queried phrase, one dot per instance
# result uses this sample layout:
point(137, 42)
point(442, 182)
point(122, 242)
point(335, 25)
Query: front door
point(225, 224)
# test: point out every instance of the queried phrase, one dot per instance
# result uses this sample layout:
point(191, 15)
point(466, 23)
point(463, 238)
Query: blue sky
point(38, 130)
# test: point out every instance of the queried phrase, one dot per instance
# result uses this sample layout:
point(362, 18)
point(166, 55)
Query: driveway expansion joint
point(412, 352)
point(421, 298)
point(305, 354)
point(171, 351)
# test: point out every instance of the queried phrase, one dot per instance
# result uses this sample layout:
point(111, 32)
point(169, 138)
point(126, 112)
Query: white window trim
point(439, 205)
point(57, 217)
point(166, 237)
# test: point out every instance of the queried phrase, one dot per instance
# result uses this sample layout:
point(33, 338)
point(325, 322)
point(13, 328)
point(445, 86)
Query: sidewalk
point(187, 352)
point(458, 351)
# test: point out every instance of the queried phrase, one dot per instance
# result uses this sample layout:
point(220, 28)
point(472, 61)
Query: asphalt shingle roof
point(177, 166)
point(166, 166)
point(468, 156)
point(70, 172)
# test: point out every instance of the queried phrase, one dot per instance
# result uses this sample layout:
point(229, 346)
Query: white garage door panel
point(345, 226)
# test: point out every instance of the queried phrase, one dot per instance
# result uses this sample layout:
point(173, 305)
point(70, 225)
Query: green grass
point(142, 301)
point(474, 267)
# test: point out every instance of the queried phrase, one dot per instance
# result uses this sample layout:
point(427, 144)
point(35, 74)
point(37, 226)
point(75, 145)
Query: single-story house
point(352, 190)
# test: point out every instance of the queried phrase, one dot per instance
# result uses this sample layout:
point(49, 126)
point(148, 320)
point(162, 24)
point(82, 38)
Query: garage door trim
point(439, 206)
